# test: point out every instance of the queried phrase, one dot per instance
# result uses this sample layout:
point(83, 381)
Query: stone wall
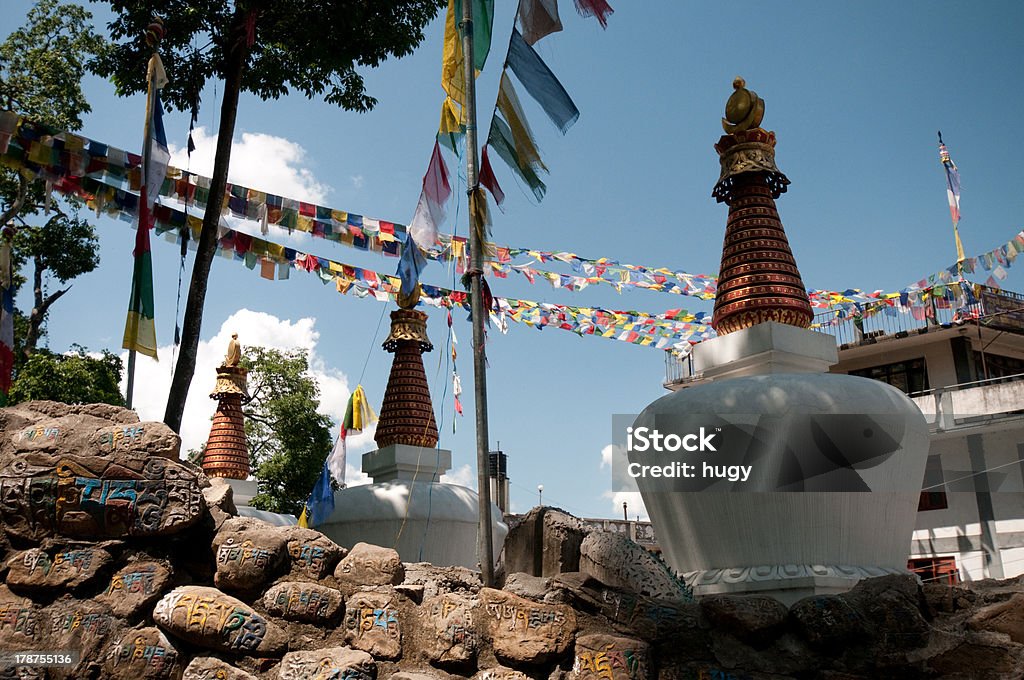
point(113, 549)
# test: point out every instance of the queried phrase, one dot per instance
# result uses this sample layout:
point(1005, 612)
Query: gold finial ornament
point(744, 110)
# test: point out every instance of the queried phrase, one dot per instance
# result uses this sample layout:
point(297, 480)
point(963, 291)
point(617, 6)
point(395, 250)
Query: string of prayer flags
point(595, 8)
point(538, 18)
point(452, 73)
point(541, 83)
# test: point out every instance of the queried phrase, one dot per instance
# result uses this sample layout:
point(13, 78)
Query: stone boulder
point(124, 493)
point(500, 673)
point(212, 668)
point(754, 619)
point(331, 662)
point(136, 586)
point(545, 542)
point(617, 561)
point(301, 601)
point(523, 631)
point(220, 500)
point(209, 618)
point(312, 554)
point(58, 567)
point(1003, 617)
point(142, 653)
point(434, 581)
point(828, 622)
point(82, 625)
point(250, 553)
point(22, 623)
point(606, 657)
point(524, 585)
point(450, 622)
point(369, 565)
point(373, 623)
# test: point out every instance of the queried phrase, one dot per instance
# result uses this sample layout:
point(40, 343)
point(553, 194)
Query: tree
point(41, 66)
point(73, 378)
point(265, 47)
point(64, 247)
point(288, 439)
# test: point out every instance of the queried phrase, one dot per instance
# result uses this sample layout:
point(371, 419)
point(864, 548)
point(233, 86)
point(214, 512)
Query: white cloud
point(153, 379)
point(606, 456)
point(358, 181)
point(461, 476)
point(634, 504)
point(259, 161)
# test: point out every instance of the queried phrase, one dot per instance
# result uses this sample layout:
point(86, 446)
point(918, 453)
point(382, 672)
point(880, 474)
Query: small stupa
point(407, 506)
point(810, 481)
point(227, 453)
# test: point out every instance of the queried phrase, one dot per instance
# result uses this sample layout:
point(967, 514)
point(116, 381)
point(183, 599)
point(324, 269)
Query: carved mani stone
point(606, 657)
point(212, 668)
point(451, 622)
point(208, 618)
point(524, 631)
point(372, 624)
point(141, 653)
point(136, 586)
point(301, 601)
point(331, 662)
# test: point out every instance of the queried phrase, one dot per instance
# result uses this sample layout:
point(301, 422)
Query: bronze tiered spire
point(758, 280)
point(227, 453)
point(407, 415)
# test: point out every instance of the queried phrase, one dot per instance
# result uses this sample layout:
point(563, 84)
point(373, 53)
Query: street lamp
point(540, 495)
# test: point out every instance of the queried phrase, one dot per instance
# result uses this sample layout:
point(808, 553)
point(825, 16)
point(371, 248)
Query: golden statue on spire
point(744, 110)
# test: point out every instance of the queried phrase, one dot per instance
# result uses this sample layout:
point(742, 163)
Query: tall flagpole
point(485, 548)
point(954, 201)
point(147, 149)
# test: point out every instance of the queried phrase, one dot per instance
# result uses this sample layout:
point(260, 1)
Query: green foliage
point(73, 378)
point(41, 64)
point(310, 46)
point(288, 439)
point(66, 246)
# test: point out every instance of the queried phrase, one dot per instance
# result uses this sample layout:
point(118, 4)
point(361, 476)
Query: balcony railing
point(995, 308)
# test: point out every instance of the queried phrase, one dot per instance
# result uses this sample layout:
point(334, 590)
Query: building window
point(908, 376)
point(932, 500)
point(935, 569)
point(997, 366)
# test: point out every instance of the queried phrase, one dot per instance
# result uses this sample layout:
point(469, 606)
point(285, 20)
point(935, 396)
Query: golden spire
point(744, 110)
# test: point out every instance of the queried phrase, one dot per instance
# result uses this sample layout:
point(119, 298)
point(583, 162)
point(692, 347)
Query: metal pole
point(147, 149)
point(485, 548)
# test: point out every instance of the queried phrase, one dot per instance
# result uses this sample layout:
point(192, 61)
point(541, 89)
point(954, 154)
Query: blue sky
point(854, 91)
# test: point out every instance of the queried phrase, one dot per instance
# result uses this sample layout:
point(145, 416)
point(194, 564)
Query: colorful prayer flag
point(538, 18)
point(358, 415)
point(541, 83)
point(6, 319)
point(410, 266)
point(953, 194)
point(320, 503)
point(139, 327)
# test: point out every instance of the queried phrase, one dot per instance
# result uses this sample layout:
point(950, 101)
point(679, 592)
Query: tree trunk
point(192, 323)
point(41, 305)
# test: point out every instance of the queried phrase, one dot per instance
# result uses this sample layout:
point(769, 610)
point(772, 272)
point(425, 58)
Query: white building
point(967, 376)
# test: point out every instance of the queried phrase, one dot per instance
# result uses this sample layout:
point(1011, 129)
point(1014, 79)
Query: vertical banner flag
point(953, 193)
point(541, 83)
point(358, 415)
point(6, 317)
point(538, 18)
point(139, 327)
point(320, 503)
